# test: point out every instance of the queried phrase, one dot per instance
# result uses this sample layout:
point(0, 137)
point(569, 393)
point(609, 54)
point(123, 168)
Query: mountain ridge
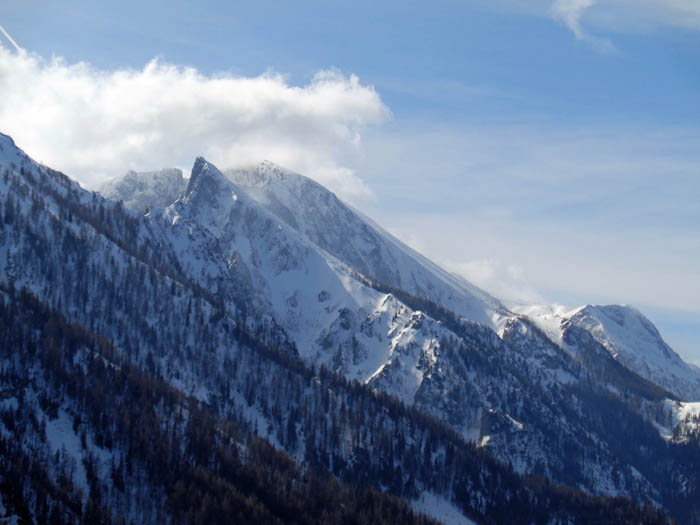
point(295, 199)
point(323, 218)
point(226, 264)
point(629, 337)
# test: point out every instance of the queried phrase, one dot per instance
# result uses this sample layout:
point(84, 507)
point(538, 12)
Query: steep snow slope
point(326, 221)
point(332, 317)
point(634, 341)
point(9, 153)
point(317, 214)
point(629, 337)
point(319, 217)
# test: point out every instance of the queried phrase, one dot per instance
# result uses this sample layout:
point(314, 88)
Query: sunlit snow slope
point(629, 337)
point(317, 214)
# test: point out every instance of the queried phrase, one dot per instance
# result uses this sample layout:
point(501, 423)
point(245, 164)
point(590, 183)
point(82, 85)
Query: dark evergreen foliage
point(212, 470)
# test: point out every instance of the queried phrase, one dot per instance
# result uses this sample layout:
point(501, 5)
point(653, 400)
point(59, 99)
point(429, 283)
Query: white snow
point(320, 217)
point(628, 336)
point(548, 318)
point(332, 317)
point(688, 410)
point(439, 508)
point(61, 437)
point(634, 341)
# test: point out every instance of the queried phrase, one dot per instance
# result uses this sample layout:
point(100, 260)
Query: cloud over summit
point(96, 124)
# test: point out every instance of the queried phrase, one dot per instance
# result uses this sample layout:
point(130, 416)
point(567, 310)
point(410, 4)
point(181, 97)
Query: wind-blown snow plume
point(96, 124)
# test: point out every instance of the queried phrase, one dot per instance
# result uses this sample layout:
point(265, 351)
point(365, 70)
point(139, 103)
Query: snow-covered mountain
point(630, 338)
point(250, 286)
point(305, 213)
point(318, 215)
point(298, 253)
point(332, 314)
point(151, 188)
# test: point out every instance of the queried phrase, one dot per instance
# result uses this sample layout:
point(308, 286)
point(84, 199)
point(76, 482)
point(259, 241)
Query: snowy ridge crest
point(629, 337)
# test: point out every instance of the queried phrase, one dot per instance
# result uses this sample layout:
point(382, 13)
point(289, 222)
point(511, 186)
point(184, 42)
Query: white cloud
point(570, 13)
point(502, 280)
point(606, 214)
point(619, 16)
point(95, 124)
point(600, 214)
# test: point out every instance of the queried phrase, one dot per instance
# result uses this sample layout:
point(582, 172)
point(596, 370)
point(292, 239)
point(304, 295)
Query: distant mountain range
point(240, 330)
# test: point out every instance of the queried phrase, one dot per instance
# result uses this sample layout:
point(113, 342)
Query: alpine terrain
point(242, 346)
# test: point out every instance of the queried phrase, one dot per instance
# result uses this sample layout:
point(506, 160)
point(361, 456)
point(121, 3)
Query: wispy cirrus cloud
point(606, 214)
point(95, 124)
point(652, 13)
point(586, 18)
point(570, 13)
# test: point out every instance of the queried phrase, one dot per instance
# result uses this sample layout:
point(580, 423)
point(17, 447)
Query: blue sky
point(547, 150)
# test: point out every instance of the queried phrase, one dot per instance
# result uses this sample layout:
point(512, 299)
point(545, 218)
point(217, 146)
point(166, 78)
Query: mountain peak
point(634, 341)
point(7, 140)
point(201, 165)
point(9, 152)
point(271, 169)
point(205, 181)
point(623, 316)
